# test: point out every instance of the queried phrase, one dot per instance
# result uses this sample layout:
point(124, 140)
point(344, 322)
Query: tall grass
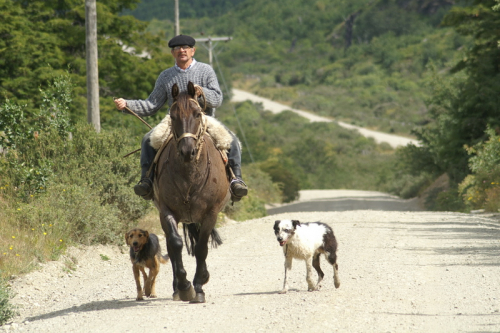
point(55, 192)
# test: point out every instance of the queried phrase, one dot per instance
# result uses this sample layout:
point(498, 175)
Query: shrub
point(7, 310)
point(481, 189)
point(13, 124)
point(280, 175)
point(261, 191)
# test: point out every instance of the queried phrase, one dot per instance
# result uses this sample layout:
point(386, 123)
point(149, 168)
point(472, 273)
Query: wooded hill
point(424, 67)
point(429, 68)
point(360, 61)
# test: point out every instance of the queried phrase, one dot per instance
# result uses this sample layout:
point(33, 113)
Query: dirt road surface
point(379, 137)
point(400, 271)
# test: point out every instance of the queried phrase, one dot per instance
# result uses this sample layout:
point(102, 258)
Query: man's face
point(183, 53)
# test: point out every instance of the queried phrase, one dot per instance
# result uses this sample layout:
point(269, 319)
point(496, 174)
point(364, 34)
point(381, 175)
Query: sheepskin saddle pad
point(217, 131)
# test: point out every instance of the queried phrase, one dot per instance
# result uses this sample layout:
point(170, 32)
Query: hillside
point(363, 62)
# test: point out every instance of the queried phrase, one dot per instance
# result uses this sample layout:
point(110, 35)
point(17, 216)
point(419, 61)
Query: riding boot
point(238, 187)
point(145, 186)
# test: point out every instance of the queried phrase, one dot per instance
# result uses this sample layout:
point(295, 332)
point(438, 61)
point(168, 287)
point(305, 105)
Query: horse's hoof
point(187, 295)
point(176, 296)
point(199, 298)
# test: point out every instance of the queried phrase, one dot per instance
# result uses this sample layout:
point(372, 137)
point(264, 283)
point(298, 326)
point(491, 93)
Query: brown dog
point(145, 252)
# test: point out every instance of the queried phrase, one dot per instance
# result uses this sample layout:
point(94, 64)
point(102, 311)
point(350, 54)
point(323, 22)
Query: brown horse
point(191, 186)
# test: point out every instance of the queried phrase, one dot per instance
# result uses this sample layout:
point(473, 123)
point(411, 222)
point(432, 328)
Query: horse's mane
point(182, 103)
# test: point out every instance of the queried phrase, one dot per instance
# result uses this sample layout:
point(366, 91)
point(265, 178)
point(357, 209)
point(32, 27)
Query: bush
point(261, 190)
point(7, 310)
point(445, 201)
point(76, 214)
point(481, 189)
point(280, 175)
point(61, 184)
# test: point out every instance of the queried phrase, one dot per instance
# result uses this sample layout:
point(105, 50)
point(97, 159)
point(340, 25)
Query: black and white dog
point(307, 241)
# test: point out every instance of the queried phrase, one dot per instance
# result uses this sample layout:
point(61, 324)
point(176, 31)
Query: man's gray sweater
point(199, 73)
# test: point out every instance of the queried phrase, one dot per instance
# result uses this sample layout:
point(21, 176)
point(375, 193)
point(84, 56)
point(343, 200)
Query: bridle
point(202, 129)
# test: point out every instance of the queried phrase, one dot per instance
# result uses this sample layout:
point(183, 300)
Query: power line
point(211, 47)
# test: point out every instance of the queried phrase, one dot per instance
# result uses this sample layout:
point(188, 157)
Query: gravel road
point(400, 271)
point(379, 137)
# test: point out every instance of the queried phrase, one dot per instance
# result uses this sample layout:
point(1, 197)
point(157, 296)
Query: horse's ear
point(191, 90)
point(175, 91)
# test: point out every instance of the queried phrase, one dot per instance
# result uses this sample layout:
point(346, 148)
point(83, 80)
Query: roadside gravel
point(400, 271)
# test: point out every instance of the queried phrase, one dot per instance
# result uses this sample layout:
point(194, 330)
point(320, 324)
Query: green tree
point(465, 102)
point(41, 40)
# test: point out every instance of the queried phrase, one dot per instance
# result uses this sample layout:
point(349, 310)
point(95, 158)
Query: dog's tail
point(192, 231)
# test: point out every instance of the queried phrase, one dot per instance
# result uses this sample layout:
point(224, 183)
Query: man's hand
point(198, 90)
point(120, 103)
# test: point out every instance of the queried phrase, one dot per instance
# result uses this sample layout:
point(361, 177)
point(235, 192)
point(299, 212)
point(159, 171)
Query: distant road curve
point(379, 137)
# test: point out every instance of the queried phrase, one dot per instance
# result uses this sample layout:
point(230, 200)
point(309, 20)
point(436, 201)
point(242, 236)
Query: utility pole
point(210, 46)
point(176, 13)
point(93, 116)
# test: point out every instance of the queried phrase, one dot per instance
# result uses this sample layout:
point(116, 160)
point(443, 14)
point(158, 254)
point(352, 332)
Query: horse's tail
point(192, 232)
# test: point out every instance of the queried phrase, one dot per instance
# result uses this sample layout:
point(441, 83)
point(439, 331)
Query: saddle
point(219, 134)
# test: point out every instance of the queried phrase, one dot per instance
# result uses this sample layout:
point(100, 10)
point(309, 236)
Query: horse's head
point(186, 116)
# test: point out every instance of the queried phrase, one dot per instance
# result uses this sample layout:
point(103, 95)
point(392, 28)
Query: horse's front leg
point(201, 252)
point(183, 289)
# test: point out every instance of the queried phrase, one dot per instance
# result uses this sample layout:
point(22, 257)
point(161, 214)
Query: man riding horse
point(186, 69)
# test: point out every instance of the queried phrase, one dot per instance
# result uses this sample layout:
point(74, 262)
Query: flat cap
point(181, 40)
